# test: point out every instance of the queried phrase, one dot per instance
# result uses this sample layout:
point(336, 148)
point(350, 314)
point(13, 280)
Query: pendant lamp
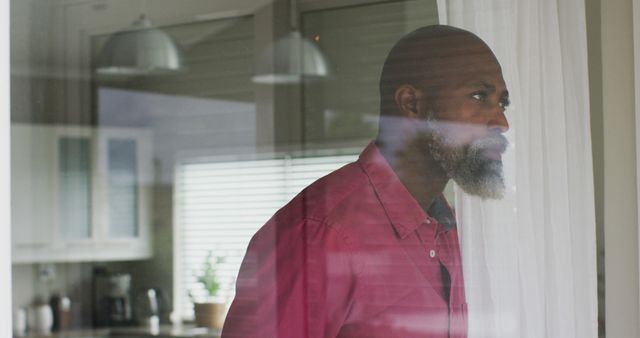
point(291, 58)
point(140, 50)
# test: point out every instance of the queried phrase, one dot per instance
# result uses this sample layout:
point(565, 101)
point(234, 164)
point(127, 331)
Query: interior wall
point(620, 200)
point(71, 279)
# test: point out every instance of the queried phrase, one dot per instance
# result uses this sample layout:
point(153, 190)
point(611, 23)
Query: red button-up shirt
point(353, 255)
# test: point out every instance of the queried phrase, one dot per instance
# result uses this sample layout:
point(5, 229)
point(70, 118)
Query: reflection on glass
point(75, 187)
point(356, 41)
point(123, 192)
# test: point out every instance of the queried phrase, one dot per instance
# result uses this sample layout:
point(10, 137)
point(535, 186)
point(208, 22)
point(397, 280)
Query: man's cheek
point(458, 134)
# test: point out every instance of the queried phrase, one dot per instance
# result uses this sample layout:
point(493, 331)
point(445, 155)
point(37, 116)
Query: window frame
point(636, 66)
point(5, 177)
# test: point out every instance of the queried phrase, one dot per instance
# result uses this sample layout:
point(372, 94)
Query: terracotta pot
point(210, 315)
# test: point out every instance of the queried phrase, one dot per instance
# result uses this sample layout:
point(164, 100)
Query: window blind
point(222, 204)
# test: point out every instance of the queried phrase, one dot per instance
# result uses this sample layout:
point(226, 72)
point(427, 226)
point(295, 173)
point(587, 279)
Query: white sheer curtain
point(530, 259)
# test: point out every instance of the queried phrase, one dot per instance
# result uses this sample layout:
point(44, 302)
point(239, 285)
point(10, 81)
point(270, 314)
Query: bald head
point(443, 101)
point(430, 58)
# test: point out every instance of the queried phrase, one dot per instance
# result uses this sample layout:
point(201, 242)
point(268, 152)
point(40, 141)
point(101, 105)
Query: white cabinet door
point(125, 178)
point(73, 183)
point(32, 191)
point(80, 193)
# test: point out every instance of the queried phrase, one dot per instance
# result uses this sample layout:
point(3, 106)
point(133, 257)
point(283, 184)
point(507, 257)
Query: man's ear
point(407, 100)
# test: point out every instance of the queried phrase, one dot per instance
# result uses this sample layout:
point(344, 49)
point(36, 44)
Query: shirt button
point(432, 253)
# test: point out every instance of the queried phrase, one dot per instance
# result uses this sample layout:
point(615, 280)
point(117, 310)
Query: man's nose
point(499, 122)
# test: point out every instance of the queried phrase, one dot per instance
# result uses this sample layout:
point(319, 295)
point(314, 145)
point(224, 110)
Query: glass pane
point(356, 41)
point(123, 188)
point(75, 187)
point(299, 157)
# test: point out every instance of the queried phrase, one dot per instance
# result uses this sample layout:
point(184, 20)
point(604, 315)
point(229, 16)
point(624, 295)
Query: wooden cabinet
point(80, 194)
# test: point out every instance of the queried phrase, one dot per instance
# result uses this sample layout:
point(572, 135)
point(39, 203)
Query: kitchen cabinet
point(72, 182)
point(32, 190)
point(80, 193)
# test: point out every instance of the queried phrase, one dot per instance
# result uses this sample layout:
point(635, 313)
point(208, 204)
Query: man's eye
point(479, 96)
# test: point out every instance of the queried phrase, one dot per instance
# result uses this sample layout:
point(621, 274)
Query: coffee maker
point(112, 299)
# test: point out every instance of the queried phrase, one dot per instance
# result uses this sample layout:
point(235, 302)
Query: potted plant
point(209, 312)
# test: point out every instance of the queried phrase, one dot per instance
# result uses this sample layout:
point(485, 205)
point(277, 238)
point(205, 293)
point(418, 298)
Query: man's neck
point(417, 170)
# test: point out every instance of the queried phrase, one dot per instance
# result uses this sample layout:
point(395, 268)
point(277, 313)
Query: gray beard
point(468, 167)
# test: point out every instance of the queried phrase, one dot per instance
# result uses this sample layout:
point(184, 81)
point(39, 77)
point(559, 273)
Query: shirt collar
point(404, 212)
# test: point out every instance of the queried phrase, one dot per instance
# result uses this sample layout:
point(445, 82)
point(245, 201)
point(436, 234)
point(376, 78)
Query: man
point(371, 250)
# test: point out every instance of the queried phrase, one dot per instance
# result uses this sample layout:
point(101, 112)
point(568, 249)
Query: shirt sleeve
point(295, 281)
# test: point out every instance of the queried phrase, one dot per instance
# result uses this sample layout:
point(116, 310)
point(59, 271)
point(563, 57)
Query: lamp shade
point(142, 50)
point(289, 60)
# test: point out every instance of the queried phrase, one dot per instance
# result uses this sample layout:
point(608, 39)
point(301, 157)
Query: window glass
point(75, 187)
point(123, 201)
point(355, 40)
point(308, 168)
point(222, 203)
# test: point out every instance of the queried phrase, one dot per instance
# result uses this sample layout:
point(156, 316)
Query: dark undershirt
point(441, 212)
point(446, 283)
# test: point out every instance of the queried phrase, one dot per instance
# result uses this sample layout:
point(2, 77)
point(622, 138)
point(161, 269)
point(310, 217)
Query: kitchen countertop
point(166, 331)
point(80, 333)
